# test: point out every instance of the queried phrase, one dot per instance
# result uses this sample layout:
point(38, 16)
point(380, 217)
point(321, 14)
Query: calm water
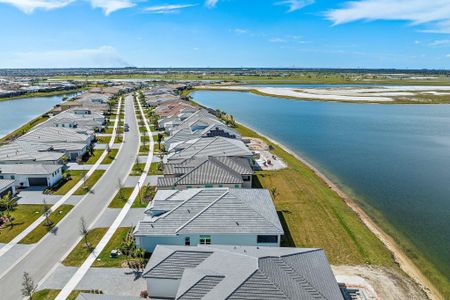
point(15, 113)
point(396, 158)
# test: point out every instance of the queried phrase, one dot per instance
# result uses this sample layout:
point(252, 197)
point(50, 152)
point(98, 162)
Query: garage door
point(38, 181)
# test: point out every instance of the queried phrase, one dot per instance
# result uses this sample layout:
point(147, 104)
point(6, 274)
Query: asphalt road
point(54, 246)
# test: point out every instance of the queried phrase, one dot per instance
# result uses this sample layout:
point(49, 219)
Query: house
point(81, 120)
point(64, 140)
point(26, 175)
point(7, 186)
point(206, 147)
point(208, 172)
point(240, 272)
point(218, 216)
point(19, 152)
point(200, 129)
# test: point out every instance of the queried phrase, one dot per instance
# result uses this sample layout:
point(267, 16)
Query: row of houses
point(38, 157)
point(211, 235)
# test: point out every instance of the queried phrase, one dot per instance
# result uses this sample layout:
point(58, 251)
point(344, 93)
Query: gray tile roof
point(216, 146)
point(25, 151)
point(54, 135)
point(29, 169)
point(173, 266)
point(206, 170)
point(243, 272)
point(214, 211)
point(202, 288)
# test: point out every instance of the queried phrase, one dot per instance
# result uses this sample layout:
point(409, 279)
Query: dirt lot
point(379, 282)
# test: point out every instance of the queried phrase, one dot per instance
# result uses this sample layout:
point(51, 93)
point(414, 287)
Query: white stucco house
point(26, 175)
point(215, 216)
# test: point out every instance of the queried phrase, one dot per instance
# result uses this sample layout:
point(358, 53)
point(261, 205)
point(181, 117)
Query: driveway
point(53, 247)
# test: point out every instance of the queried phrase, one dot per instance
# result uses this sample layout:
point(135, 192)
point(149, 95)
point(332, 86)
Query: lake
point(15, 113)
point(394, 159)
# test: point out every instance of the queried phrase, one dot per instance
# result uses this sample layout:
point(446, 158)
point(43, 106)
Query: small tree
point(46, 212)
point(84, 232)
point(7, 205)
point(84, 182)
point(28, 286)
point(138, 166)
point(144, 139)
point(120, 187)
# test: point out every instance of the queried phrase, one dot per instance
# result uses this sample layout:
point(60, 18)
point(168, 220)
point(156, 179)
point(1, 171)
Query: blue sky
point(225, 33)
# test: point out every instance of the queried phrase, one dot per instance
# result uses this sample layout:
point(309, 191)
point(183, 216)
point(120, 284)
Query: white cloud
point(211, 3)
point(28, 6)
point(240, 31)
point(295, 4)
point(110, 6)
point(440, 43)
point(277, 40)
point(105, 56)
point(436, 13)
point(167, 9)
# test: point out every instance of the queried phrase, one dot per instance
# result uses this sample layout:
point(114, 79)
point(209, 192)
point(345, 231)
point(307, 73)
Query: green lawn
point(23, 129)
point(138, 169)
point(46, 294)
point(145, 138)
point(118, 201)
point(81, 252)
point(118, 139)
point(110, 157)
point(75, 176)
point(154, 170)
point(105, 259)
point(103, 139)
point(93, 158)
point(144, 149)
point(24, 216)
point(40, 231)
point(109, 130)
point(90, 182)
point(50, 294)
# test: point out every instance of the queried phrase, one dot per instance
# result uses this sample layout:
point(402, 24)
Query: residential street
point(53, 247)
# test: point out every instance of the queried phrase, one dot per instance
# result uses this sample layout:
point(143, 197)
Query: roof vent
point(189, 211)
point(237, 223)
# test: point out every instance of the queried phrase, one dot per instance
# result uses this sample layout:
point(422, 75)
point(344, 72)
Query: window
point(208, 186)
point(205, 240)
point(2, 177)
point(237, 186)
point(13, 177)
point(187, 241)
point(246, 178)
point(267, 239)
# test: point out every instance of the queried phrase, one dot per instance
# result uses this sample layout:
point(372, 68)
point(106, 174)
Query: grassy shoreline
point(429, 277)
point(42, 94)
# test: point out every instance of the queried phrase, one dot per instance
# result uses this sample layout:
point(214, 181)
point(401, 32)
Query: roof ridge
point(285, 264)
point(176, 207)
point(198, 281)
point(248, 278)
point(202, 211)
point(220, 164)
point(188, 173)
point(245, 203)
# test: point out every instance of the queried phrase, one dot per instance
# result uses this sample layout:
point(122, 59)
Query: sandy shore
point(400, 257)
point(377, 94)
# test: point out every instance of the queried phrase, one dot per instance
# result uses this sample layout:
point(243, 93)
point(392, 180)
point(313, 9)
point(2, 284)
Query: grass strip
point(39, 232)
point(121, 197)
point(79, 254)
point(104, 259)
point(89, 183)
point(110, 157)
point(74, 177)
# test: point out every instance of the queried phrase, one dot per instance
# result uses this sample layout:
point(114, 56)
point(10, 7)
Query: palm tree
point(160, 139)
